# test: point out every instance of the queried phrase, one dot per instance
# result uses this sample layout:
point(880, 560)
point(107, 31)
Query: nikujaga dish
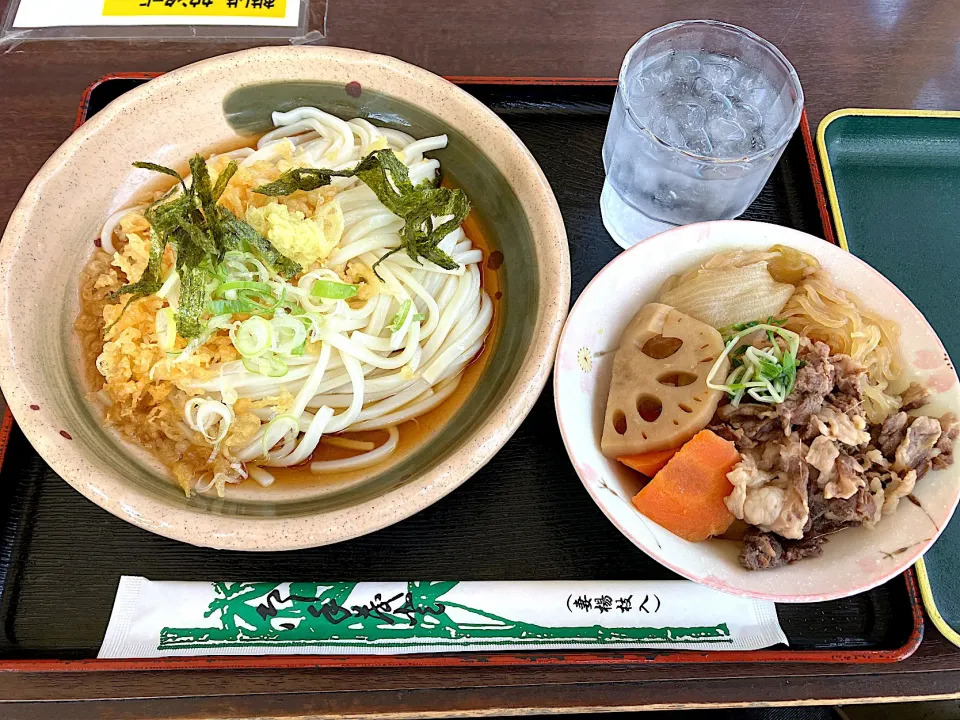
point(767, 404)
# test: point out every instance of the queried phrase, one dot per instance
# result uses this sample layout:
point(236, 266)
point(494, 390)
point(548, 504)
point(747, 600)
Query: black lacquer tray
point(525, 516)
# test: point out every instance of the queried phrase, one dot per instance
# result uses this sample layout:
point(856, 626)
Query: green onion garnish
point(166, 328)
point(767, 375)
point(267, 364)
point(331, 290)
point(202, 233)
point(252, 337)
point(401, 316)
point(289, 334)
point(260, 287)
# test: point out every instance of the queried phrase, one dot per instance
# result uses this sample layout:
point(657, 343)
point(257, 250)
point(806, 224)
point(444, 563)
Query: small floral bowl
point(853, 560)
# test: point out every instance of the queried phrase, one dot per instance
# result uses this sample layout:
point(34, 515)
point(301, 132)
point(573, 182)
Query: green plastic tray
point(893, 181)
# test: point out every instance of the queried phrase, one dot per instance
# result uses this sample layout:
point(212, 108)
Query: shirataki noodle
point(821, 311)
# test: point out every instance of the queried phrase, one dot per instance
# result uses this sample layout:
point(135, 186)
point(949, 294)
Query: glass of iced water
point(702, 113)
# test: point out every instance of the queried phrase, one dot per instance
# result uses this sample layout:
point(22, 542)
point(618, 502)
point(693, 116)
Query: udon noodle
point(333, 364)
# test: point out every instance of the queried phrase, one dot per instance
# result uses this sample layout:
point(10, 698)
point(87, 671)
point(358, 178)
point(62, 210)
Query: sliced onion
point(203, 415)
point(267, 364)
point(727, 296)
point(289, 333)
point(214, 414)
point(252, 337)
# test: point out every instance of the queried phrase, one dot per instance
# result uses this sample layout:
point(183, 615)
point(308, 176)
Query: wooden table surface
point(862, 53)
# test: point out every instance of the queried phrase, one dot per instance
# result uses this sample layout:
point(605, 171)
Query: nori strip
point(240, 236)
point(202, 232)
point(224, 178)
point(384, 173)
point(161, 169)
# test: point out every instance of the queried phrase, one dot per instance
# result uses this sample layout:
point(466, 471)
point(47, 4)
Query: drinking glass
point(702, 113)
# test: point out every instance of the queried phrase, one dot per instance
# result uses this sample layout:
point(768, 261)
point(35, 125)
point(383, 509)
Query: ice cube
point(690, 116)
point(777, 113)
point(723, 130)
point(720, 74)
point(702, 87)
point(698, 142)
point(760, 98)
point(750, 79)
point(747, 115)
point(657, 72)
point(668, 130)
point(719, 105)
point(757, 143)
point(677, 90)
point(755, 89)
point(686, 65)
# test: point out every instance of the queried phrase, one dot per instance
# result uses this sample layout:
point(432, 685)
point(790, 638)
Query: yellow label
point(196, 8)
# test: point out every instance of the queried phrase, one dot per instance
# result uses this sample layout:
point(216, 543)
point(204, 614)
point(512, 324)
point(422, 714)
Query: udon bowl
point(853, 560)
point(218, 102)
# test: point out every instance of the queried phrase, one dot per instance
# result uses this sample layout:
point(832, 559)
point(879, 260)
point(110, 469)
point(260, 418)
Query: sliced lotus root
point(658, 395)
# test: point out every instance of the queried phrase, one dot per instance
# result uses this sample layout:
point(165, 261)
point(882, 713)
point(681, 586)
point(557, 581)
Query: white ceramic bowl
point(853, 560)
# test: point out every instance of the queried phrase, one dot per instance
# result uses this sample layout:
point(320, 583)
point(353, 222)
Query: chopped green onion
point(401, 316)
point(202, 232)
point(288, 334)
point(312, 322)
point(330, 290)
point(243, 304)
point(292, 308)
point(166, 327)
point(419, 317)
point(252, 337)
point(738, 327)
point(767, 375)
point(172, 279)
point(267, 364)
point(261, 287)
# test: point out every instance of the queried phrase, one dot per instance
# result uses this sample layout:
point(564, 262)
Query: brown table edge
point(499, 659)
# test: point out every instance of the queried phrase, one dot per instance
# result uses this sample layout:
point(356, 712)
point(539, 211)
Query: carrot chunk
point(686, 496)
point(648, 463)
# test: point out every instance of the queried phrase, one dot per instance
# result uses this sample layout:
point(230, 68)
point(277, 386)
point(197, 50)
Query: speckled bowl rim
point(235, 532)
